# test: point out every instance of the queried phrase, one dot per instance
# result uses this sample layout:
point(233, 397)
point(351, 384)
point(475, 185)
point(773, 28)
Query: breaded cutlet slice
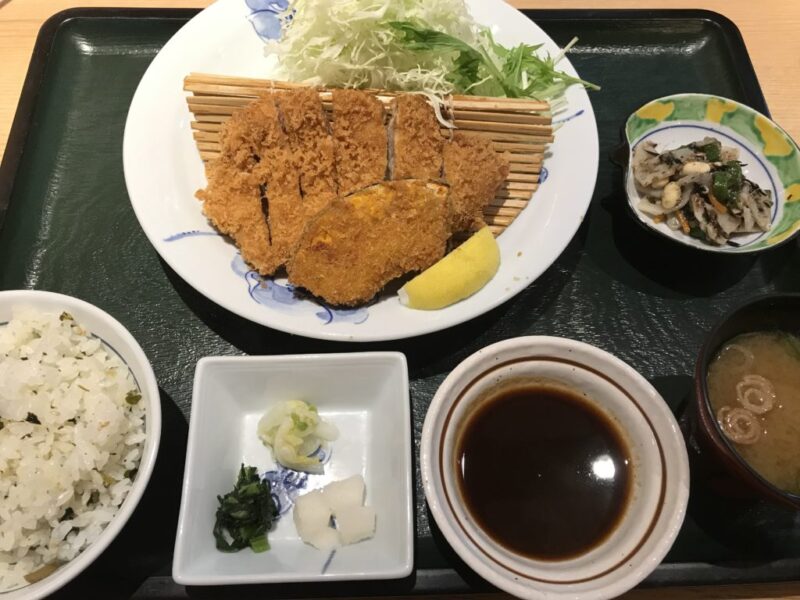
point(474, 171)
point(248, 131)
point(232, 202)
point(361, 242)
point(253, 191)
point(283, 208)
point(360, 140)
point(311, 145)
point(416, 143)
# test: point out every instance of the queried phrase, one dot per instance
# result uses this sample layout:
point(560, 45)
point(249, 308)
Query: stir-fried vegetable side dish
point(700, 190)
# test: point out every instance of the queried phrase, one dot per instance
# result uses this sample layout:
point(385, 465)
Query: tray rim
point(29, 94)
point(441, 580)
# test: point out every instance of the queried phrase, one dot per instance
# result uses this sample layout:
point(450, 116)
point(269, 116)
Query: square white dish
point(365, 395)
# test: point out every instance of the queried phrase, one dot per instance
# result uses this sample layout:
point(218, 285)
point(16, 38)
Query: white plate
point(163, 170)
point(365, 395)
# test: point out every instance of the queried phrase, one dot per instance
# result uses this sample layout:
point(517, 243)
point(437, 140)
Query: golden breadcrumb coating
point(253, 192)
point(280, 189)
point(248, 131)
point(416, 140)
point(232, 201)
point(361, 242)
point(360, 140)
point(311, 144)
point(474, 172)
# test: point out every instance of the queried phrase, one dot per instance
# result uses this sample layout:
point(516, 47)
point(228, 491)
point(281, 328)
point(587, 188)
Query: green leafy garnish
point(65, 316)
point(246, 514)
point(436, 48)
point(697, 233)
point(727, 183)
point(488, 68)
point(712, 150)
point(133, 397)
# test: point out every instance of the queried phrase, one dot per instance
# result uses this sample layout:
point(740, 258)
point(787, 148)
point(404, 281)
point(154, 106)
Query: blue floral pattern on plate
point(543, 175)
point(269, 292)
point(182, 235)
point(265, 17)
point(286, 484)
point(568, 118)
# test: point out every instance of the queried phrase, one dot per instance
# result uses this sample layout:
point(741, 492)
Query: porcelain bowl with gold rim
point(659, 492)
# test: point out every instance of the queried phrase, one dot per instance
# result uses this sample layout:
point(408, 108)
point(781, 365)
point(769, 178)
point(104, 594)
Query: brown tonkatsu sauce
point(542, 471)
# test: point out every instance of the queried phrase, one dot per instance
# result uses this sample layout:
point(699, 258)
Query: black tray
point(66, 225)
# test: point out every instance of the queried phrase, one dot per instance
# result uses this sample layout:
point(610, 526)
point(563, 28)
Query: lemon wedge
point(456, 276)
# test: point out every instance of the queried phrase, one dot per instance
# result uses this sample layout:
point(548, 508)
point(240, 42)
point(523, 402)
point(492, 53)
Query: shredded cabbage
point(349, 43)
point(295, 431)
point(394, 45)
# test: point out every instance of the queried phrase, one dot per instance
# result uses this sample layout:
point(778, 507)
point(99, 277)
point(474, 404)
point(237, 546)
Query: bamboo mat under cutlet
point(522, 128)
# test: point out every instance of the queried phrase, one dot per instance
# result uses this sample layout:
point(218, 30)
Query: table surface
point(769, 29)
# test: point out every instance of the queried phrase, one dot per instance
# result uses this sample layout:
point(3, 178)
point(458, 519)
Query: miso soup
point(754, 389)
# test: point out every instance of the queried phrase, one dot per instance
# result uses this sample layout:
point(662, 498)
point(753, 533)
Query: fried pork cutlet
point(253, 192)
point(282, 206)
point(361, 242)
point(474, 172)
point(232, 202)
point(248, 131)
point(360, 140)
point(311, 145)
point(416, 146)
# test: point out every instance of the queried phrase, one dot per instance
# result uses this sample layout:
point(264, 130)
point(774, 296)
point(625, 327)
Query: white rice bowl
point(76, 448)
